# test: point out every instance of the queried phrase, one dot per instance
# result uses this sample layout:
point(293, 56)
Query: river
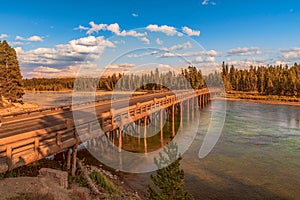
point(256, 157)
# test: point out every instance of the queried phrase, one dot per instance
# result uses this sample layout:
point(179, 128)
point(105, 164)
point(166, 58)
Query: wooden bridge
point(29, 136)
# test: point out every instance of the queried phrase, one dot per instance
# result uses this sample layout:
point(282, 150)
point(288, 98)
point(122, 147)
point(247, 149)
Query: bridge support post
point(161, 128)
point(145, 134)
point(193, 107)
point(181, 104)
point(74, 155)
point(173, 120)
point(188, 110)
point(68, 159)
point(120, 139)
point(139, 131)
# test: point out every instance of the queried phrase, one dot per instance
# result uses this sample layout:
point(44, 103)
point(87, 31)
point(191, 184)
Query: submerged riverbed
point(256, 157)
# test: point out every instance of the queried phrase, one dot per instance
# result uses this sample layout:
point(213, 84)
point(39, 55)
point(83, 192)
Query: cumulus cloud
point(115, 29)
point(211, 53)
point(34, 38)
point(75, 52)
point(46, 69)
point(3, 35)
point(120, 66)
point(48, 72)
point(81, 28)
point(158, 41)
point(190, 32)
point(292, 53)
point(15, 43)
point(95, 27)
point(142, 54)
point(185, 45)
point(246, 51)
point(207, 2)
point(244, 63)
point(134, 15)
point(145, 40)
point(165, 51)
point(168, 30)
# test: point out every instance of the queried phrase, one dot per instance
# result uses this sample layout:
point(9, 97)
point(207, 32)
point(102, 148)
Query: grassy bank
point(255, 97)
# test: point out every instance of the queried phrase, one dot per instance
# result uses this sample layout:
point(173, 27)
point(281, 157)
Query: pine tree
point(169, 180)
point(11, 86)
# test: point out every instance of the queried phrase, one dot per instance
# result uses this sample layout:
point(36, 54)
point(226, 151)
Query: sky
point(67, 38)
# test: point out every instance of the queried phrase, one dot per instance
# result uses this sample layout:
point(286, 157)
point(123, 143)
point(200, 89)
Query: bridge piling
point(74, 156)
point(145, 134)
point(161, 128)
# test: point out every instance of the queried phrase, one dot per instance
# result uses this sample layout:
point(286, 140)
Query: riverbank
point(19, 107)
point(99, 92)
point(264, 99)
point(26, 183)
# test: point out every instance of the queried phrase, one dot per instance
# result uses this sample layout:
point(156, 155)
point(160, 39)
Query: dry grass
point(33, 196)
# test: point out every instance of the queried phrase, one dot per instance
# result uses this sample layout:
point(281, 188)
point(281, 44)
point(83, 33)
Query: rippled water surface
point(256, 157)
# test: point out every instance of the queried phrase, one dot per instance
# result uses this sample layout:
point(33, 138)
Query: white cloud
point(206, 2)
point(244, 63)
point(206, 59)
point(292, 53)
point(168, 30)
point(142, 54)
point(211, 53)
point(120, 66)
point(19, 38)
point(115, 29)
point(34, 38)
point(158, 41)
point(145, 40)
point(95, 27)
point(48, 72)
point(132, 33)
point(74, 53)
point(3, 35)
point(15, 43)
point(134, 15)
point(246, 51)
point(82, 28)
point(186, 45)
point(46, 69)
point(190, 32)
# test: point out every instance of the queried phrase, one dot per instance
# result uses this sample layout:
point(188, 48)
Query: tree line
point(155, 80)
point(271, 80)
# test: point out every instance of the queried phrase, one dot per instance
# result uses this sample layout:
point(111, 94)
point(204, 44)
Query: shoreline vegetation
point(258, 98)
point(262, 101)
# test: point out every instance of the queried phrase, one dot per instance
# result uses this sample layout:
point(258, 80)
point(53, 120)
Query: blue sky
point(241, 32)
